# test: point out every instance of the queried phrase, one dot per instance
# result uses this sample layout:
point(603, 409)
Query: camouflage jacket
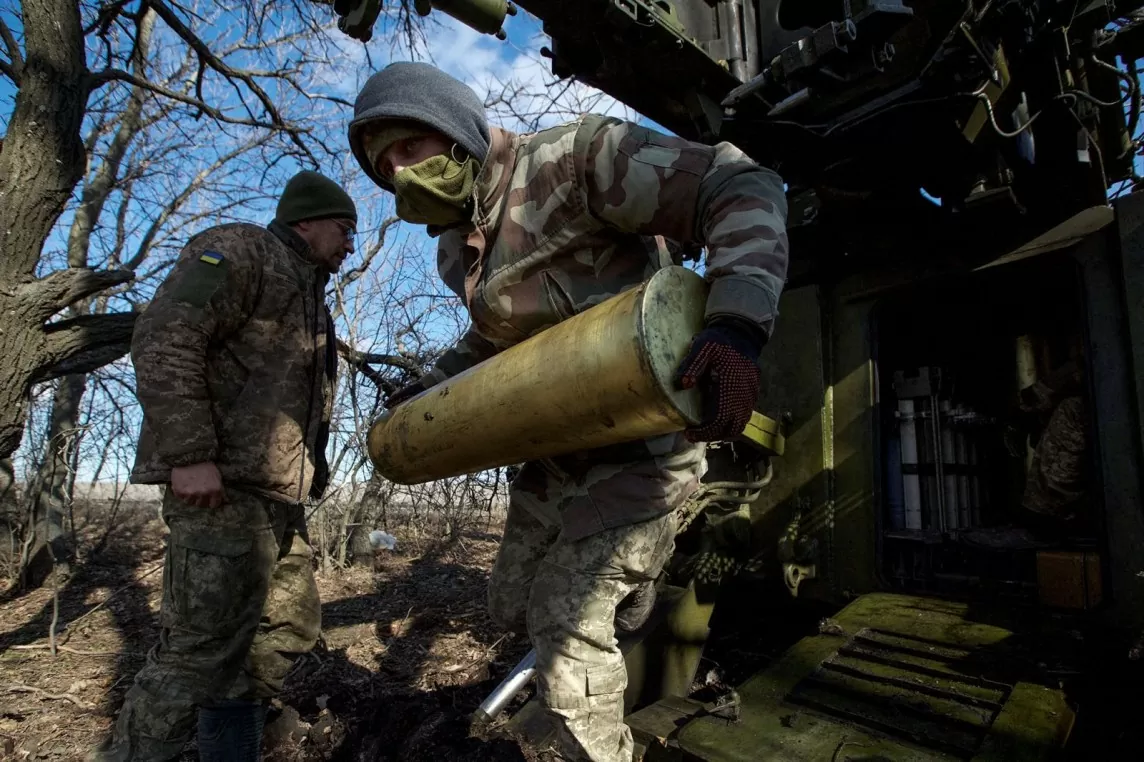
point(235, 363)
point(567, 217)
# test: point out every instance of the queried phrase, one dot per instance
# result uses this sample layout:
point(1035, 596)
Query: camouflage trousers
point(1056, 481)
point(239, 606)
point(563, 588)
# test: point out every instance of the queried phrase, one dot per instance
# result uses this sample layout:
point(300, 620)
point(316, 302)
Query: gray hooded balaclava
point(420, 92)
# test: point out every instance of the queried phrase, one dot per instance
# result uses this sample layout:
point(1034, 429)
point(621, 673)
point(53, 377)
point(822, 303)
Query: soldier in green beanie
point(235, 361)
point(315, 209)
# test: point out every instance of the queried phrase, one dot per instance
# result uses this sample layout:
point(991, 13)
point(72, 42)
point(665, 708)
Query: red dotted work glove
point(722, 362)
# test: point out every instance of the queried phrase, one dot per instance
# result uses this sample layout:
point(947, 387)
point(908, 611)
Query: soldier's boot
point(231, 732)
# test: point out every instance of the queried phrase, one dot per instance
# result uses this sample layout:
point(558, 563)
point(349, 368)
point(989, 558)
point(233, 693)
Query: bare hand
point(200, 485)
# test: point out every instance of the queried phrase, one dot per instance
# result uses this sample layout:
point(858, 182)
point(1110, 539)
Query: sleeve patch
point(198, 283)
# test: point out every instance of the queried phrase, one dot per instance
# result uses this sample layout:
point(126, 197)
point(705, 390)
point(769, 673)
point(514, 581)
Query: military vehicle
point(953, 242)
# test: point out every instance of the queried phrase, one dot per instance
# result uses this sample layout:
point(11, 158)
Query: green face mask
point(436, 191)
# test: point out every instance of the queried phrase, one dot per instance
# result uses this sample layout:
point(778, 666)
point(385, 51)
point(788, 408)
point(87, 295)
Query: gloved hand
point(404, 393)
point(723, 359)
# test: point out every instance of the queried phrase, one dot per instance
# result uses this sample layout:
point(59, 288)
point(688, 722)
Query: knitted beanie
point(419, 92)
point(310, 196)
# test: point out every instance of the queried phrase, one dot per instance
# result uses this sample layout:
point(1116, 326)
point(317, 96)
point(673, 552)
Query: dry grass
point(407, 653)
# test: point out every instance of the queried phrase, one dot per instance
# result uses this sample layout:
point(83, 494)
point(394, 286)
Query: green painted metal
point(893, 677)
point(824, 384)
point(793, 386)
point(664, 662)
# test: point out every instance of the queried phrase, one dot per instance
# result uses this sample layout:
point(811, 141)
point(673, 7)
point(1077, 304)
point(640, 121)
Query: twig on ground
point(489, 650)
point(467, 614)
point(484, 657)
point(21, 688)
point(70, 650)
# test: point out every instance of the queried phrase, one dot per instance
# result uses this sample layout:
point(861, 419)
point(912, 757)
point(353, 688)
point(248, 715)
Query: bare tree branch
point(84, 343)
point(47, 296)
point(14, 66)
point(108, 75)
point(97, 189)
point(10, 72)
point(177, 202)
point(210, 59)
point(106, 17)
point(357, 359)
point(380, 381)
point(371, 253)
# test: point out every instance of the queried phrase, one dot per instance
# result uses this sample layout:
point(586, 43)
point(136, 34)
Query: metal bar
point(939, 470)
point(751, 41)
point(913, 685)
point(509, 687)
point(926, 729)
point(909, 457)
point(1111, 286)
point(733, 29)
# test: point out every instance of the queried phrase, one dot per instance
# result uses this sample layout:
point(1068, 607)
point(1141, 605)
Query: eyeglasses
point(347, 230)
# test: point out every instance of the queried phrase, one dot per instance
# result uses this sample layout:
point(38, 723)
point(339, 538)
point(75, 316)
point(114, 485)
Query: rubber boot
point(231, 732)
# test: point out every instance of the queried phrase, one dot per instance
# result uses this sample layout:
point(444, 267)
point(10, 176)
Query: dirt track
point(407, 653)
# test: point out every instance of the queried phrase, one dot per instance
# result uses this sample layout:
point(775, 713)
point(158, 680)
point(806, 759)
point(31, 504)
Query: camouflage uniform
point(564, 219)
point(564, 592)
point(235, 364)
point(1057, 479)
point(239, 605)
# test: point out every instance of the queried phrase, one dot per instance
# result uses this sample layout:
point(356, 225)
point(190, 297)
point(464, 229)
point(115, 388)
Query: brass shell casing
point(599, 378)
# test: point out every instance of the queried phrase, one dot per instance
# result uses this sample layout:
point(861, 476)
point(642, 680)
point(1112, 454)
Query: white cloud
point(486, 64)
point(490, 66)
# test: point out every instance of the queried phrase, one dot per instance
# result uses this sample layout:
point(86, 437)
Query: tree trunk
point(360, 549)
point(7, 482)
point(42, 161)
point(53, 496)
point(11, 518)
point(323, 538)
point(375, 500)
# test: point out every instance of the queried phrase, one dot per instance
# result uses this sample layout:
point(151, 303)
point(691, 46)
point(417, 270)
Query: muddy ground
point(407, 652)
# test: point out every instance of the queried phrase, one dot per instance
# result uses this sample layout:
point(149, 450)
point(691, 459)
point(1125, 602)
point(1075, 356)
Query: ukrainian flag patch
point(211, 258)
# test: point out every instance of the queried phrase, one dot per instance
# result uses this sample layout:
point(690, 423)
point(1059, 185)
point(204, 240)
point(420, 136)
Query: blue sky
point(480, 60)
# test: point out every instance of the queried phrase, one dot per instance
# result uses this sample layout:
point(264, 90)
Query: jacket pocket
point(606, 679)
point(213, 582)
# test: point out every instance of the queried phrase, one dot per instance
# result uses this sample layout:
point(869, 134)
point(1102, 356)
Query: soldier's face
point(331, 241)
point(410, 151)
